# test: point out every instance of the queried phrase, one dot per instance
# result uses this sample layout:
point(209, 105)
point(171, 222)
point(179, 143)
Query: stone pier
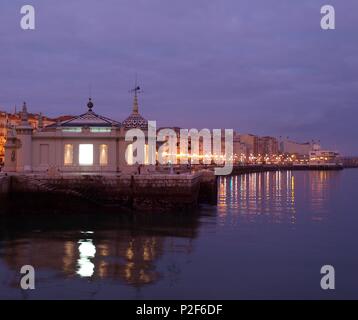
point(146, 192)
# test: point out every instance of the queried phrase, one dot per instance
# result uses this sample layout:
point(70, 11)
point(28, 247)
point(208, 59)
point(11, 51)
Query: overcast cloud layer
point(258, 66)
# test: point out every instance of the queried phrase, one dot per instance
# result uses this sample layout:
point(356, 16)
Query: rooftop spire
point(135, 101)
point(136, 90)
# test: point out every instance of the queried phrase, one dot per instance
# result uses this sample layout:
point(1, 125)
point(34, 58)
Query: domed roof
point(135, 120)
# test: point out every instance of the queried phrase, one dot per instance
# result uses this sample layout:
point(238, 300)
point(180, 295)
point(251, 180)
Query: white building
point(292, 147)
point(86, 143)
point(320, 156)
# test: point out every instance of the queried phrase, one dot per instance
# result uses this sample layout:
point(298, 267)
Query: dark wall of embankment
point(94, 193)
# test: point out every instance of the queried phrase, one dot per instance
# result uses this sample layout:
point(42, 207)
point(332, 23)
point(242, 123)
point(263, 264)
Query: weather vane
point(137, 88)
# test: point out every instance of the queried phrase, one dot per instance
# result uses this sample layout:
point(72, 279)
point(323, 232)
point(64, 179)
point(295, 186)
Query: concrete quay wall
point(154, 192)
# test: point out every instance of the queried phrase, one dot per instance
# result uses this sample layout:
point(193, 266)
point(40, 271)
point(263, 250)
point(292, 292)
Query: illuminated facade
point(292, 147)
point(251, 142)
point(14, 119)
point(319, 156)
point(85, 143)
point(268, 146)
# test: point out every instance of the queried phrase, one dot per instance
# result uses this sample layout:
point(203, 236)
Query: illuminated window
point(68, 160)
point(146, 154)
point(86, 154)
point(72, 129)
point(103, 154)
point(99, 129)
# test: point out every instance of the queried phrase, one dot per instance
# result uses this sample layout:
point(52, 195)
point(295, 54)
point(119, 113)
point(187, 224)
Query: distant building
point(259, 146)
point(14, 119)
point(251, 142)
point(240, 149)
point(291, 147)
point(267, 146)
point(319, 156)
point(198, 153)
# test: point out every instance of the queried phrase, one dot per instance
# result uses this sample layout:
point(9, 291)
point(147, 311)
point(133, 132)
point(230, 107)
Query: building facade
point(292, 147)
point(85, 143)
point(267, 146)
point(14, 119)
point(252, 143)
point(259, 146)
point(320, 156)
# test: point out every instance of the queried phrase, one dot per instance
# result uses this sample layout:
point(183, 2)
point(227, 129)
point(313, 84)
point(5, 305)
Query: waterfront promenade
point(178, 188)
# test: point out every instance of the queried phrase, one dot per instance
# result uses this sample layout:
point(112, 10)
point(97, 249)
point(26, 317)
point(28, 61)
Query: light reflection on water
point(273, 195)
point(87, 252)
point(280, 214)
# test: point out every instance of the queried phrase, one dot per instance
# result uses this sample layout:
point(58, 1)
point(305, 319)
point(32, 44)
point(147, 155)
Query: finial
point(90, 104)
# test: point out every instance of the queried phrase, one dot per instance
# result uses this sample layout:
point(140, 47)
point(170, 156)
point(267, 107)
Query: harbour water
point(267, 238)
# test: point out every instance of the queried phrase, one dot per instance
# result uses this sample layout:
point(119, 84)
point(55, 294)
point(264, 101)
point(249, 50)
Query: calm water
point(267, 238)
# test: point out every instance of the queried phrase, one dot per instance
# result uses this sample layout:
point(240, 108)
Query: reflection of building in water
point(130, 256)
point(87, 251)
point(318, 188)
point(134, 261)
point(267, 194)
point(131, 259)
point(273, 195)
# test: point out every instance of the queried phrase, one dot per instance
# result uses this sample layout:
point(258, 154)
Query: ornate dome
point(135, 120)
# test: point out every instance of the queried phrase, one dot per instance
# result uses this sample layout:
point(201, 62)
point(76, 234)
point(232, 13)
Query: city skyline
point(250, 66)
point(176, 155)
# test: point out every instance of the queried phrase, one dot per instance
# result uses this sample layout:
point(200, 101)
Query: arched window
point(103, 154)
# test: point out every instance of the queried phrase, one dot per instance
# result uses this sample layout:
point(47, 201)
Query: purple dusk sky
point(258, 66)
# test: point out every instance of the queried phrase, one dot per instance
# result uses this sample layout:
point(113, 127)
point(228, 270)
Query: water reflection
point(87, 251)
point(261, 218)
point(273, 195)
point(124, 247)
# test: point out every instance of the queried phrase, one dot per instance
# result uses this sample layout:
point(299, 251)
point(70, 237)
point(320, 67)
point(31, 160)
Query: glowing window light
point(68, 154)
point(99, 130)
point(86, 154)
point(72, 129)
point(146, 154)
point(103, 154)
